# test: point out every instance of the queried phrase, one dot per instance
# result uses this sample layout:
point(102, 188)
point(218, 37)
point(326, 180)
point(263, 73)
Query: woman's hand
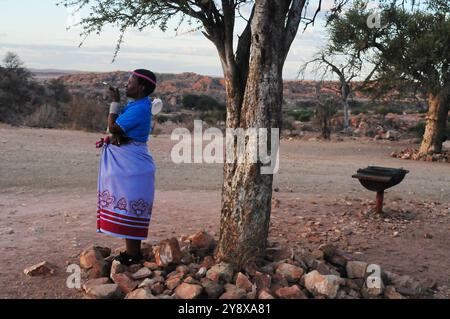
point(114, 94)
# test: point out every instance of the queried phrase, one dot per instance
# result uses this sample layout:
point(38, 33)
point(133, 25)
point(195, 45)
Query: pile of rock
point(413, 154)
point(185, 269)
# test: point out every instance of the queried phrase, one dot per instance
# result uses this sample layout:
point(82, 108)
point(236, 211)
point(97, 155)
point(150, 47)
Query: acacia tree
point(411, 49)
point(329, 61)
point(254, 88)
point(326, 63)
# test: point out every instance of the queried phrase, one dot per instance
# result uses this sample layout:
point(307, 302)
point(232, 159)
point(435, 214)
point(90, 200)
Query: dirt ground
point(48, 181)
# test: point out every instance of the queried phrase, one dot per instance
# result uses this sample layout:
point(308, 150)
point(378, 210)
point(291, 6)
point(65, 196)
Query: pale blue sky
point(36, 30)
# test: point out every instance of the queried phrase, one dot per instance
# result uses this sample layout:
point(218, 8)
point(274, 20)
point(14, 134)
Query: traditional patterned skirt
point(126, 186)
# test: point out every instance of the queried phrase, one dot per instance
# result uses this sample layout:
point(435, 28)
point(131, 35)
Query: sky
point(37, 31)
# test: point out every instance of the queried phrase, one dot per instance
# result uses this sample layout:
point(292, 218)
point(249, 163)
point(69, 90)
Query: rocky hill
point(171, 87)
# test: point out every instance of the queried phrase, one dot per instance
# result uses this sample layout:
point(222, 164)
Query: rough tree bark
point(246, 193)
point(436, 123)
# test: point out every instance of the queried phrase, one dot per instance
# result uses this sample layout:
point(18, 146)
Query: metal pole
point(379, 202)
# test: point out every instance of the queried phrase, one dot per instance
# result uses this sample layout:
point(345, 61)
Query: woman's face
point(134, 90)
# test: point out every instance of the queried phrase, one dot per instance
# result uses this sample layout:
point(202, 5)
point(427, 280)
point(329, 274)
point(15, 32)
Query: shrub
point(418, 129)
point(201, 102)
point(303, 115)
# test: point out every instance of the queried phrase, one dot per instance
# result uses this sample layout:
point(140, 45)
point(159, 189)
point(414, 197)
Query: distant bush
point(20, 95)
point(359, 109)
point(25, 101)
point(302, 115)
point(418, 129)
point(305, 104)
point(383, 110)
point(201, 102)
point(214, 116)
point(86, 114)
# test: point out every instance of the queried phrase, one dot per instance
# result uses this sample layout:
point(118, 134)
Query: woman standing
point(127, 172)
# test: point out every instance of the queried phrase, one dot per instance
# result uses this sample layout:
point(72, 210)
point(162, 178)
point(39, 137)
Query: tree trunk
point(436, 122)
point(246, 193)
point(345, 90)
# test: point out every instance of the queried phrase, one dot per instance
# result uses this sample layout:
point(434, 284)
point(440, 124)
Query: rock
point(125, 283)
point(156, 279)
point(90, 257)
point(324, 268)
point(174, 281)
point(183, 269)
point(167, 292)
point(304, 259)
point(279, 253)
point(265, 294)
point(262, 281)
point(224, 270)
point(167, 252)
point(214, 276)
point(188, 291)
point(147, 250)
point(142, 273)
point(243, 282)
point(404, 285)
point(290, 272)
point(392, 135)
point(293, 292)
point(151, 265)
point(207, 262)
point(134, 268)
point(95, 282)
point(117, 268)
point(391, 293)
point(202, 272)
point(329, 250)
point(99, 270)
point(106, 291)
point(327, 285)
point(191, 280)
point(356, 269)
point(355, 284)
point(340, 258)
point(269, 268)
point(157, 288)
point(278, 281)
point(104, 251)
point(233, 292)
point(202, 243)
point(42, 269)
point(318, 254)
point(186, 258)
point(146, 283)
point(354, 294)
point(342, 294)
point(251, 295)
point(142, 293)
point(212, 288)
point(193, 268)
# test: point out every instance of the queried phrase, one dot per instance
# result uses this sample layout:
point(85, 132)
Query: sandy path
point(48, 200)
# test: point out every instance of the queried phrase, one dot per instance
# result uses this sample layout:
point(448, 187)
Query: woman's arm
point(113, 127)
point(113, 112)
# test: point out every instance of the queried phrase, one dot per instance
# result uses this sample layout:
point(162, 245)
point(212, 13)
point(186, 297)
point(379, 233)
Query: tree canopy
point(411, 46)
